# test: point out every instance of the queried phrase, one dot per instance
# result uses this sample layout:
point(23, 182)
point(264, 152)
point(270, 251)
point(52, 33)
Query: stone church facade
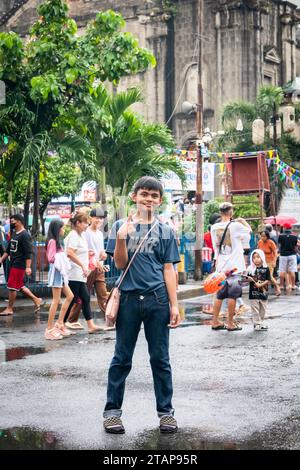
point(245, 43)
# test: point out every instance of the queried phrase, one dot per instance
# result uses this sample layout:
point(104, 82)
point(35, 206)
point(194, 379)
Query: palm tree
point(267, 103)
point(268, 100)
point(126, 147)
point(69, 147)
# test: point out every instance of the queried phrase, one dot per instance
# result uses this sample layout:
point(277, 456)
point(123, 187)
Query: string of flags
point(191, 155)
point(288, 174)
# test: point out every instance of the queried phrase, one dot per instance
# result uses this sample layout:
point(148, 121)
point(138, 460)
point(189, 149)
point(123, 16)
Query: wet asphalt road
point(232, 390)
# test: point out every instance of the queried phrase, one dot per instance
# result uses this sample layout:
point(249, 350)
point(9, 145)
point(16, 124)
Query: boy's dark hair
point(53, 232)
point(148, 182)
point(18, 217)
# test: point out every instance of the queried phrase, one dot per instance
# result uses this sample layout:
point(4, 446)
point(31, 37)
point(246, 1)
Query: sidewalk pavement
point(185, 291)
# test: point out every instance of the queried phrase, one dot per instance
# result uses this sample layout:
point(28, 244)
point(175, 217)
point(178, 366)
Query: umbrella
point(280, 220)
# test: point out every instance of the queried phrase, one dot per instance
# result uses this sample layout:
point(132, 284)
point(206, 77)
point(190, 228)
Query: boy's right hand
point(127, 228)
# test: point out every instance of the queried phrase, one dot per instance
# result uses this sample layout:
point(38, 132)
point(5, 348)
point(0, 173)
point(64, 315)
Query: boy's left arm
point(170, 280)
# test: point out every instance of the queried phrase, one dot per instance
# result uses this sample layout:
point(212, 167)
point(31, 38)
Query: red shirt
point(207, 240)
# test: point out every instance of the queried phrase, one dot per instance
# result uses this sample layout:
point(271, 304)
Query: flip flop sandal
point(237, 328)
point(38, 307)
point(94, 331)
point(74, 326)
point(219, 327)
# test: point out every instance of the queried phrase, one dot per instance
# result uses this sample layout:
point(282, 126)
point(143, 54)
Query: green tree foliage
point(239, 141)
point(210, 208)
point(53, 71)
point(244, 206)
point(125, 145)
point(56, 180)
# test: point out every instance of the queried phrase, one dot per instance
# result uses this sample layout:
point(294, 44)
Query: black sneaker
point(168, 424)
point(113, 425)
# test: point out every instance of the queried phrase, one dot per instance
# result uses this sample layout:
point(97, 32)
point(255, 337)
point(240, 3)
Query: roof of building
point(296, 2)
point(292, 86)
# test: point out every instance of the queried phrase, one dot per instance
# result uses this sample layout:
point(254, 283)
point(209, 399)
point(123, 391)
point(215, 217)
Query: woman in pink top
point(56, 282)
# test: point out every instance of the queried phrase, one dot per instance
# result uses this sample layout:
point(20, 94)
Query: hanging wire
point(185, 80)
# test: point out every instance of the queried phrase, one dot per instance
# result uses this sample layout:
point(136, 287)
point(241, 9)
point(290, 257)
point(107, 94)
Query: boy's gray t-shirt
point(146, 272)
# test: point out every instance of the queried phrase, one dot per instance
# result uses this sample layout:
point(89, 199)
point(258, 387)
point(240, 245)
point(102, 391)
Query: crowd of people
point(229, 239)
point(148, 295)
point(76, 267)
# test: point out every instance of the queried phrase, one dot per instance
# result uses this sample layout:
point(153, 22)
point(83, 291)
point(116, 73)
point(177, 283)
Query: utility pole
point(275, 177)
point(274, 119)
point(199, 217)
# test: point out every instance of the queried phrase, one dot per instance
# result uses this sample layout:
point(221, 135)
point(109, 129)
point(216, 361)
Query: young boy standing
point(258, 291)
point(148, 296)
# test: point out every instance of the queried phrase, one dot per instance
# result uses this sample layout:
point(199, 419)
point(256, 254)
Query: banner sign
point(171, 181)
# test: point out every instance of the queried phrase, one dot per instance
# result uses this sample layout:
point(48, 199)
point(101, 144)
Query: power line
point(185, 80)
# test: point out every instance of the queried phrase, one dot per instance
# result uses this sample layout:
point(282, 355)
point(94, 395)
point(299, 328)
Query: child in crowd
point(57, 281)
point(259, 277)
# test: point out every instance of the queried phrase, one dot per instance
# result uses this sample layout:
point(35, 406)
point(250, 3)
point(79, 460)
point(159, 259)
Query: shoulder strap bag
point(221, 243)
point(113, 301)
point(223, 237)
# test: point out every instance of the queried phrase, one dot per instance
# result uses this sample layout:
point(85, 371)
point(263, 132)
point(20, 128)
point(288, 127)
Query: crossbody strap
point(136, 252)
point(221, 243)
point(223, 237)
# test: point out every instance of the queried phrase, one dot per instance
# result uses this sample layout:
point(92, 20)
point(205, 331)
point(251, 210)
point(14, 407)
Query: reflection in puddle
point(179, 441)
point(27, 439)
point(13, 354)
point(202, 315)
point(191, 440)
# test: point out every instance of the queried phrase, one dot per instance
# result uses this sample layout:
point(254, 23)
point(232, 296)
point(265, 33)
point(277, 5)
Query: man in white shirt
point(229, 255)
point(94, 238)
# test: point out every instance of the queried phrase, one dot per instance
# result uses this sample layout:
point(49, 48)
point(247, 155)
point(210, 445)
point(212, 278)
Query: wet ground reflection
point(25, 438)
point(13, 354)
point(202, 315)
point(182, 440)
point(191, 439)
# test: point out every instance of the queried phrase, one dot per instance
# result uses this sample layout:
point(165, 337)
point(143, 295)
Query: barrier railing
point(38, 281)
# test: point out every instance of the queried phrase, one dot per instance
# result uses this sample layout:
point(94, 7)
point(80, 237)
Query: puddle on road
point(154, 440)
point(13, 354)
point(200, 315)
point(25, 438)
point(192, 440)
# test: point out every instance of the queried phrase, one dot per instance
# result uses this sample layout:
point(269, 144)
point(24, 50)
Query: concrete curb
point(24, 307)
point(190, 293)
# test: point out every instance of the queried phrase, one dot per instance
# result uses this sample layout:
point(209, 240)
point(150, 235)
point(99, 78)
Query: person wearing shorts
point(288, 258)
point(231, 290)
point(228, 237)
point(19, 251)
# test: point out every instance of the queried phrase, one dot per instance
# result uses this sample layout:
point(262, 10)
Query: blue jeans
point(153, 311)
